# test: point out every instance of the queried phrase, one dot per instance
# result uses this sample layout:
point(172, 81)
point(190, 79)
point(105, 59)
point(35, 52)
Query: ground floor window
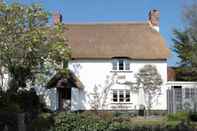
point(121, 96)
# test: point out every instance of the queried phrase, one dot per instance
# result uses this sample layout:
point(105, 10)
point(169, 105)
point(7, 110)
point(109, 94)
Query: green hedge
point(91, 122)
point(76, 122)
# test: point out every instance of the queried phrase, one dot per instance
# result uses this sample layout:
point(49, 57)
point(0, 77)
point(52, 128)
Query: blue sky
point(119, 10)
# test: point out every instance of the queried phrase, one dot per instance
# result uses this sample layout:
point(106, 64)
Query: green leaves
point(185, 45)
point(27, 41)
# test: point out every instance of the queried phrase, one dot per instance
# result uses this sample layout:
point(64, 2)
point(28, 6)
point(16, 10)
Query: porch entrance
point(182, 96)
point(64, 99)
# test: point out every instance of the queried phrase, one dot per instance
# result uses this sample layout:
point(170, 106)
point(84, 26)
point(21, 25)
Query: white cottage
point(105, 56)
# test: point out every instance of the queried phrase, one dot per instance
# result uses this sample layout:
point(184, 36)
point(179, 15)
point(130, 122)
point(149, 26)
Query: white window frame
point(116, 64)
point(125, 91)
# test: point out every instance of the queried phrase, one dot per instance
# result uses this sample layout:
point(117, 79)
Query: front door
point(64, 99)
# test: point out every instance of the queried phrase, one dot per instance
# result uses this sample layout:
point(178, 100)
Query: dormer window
point(120, 64)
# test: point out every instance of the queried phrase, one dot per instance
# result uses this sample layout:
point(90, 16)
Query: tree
point(100, 94)
point(150, 81)
point(27, 42)
point(184, 47)
point(185, 44)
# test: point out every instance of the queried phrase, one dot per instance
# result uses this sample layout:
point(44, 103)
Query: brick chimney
point(153, 19)
point(57, 18)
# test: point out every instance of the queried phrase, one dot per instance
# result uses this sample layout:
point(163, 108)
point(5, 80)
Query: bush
point(106, 115)
point(88, 121)
point(193, 116)
point(44, 122)
point(12, 107)
point(179, 116)
point(75, 121)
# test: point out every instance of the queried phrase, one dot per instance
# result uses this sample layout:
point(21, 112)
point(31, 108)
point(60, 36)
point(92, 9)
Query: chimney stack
point(153, 19)
point(57, 18)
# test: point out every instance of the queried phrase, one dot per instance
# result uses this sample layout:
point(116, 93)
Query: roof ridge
point(106, 23)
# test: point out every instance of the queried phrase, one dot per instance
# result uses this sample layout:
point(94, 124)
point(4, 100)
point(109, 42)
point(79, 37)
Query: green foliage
point(179, 116)
point(185, 44)
point(27, 42)
point(44, 122)
point(92, 122)
point(76, 122)
point(193, 116)
point(23, 101)
point(183, 47)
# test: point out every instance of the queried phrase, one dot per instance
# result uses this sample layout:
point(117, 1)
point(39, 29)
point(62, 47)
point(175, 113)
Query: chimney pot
point(153, 18)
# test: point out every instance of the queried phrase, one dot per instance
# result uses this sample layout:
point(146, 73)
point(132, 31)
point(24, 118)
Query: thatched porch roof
point(60, 80)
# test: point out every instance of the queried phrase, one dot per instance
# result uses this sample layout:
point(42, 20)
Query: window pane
point(114, 64)
point(187, 95)
point(192, 92)
point(127, 65)
point(121, 65)
point(121, 96)
point(127, 96)
point(115, 96)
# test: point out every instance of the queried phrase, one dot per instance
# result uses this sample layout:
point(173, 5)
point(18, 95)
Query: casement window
point(120, 64)
point(121, 96)
point(115, 96)
point(190, 92)
point(187, 93)
point(127, 96)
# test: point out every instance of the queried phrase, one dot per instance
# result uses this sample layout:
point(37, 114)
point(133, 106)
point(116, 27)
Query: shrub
point(44, 122)
point(75, 121)
point(193, 116)
point(11, 107)
point(106, 115)
point(88, 121)
point(179, 116)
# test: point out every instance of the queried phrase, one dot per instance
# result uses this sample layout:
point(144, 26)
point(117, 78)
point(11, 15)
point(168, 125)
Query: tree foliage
point(185, 44)
point(27, 41)
point(150, 81)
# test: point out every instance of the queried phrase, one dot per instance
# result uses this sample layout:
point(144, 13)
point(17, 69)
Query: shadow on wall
point(49, 96)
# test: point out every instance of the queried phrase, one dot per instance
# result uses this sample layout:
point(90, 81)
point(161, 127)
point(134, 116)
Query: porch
point(181, 96)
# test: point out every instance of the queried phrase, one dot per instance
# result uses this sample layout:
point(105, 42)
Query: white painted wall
point(99, 73)
point(50, 97)
point(4, 81)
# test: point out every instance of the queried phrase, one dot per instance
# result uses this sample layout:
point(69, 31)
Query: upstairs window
point(120, 64)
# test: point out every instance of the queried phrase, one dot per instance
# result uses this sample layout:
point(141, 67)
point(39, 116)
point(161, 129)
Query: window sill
point(121, 71)
point(121, 103)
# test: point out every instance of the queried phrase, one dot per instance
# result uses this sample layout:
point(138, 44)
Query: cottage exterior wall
point(98, 73)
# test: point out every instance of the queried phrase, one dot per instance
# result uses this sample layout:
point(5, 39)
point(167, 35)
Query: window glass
point(127, 65)
point(121, 64)
point(187, 93)
point(115, 96)
point(192, 92)
point(114, 65)
point(127, 96)
point(121, 96)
